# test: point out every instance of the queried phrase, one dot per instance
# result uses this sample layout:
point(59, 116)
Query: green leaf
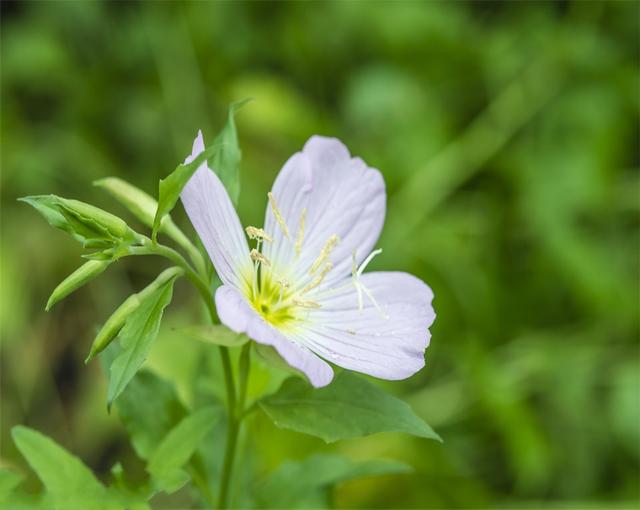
point(148, 408)
point(140, 330)
point(304, 484)
point(85, 273)
point(223, 156)
point(226, 161)
point(175, 450)
point(215, 335)
point(349, 407)
point(88, 224)
point(69, 482)
point(9, 480)
point(124, 312)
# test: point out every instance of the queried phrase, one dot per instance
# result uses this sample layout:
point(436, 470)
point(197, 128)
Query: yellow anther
point(284, 284)
point(300, 236)
point(324, 253)
point(278, 215)
point(318, 279)
point(258, 233)
point(351, 332)
point(306, 304)
point(259, 257)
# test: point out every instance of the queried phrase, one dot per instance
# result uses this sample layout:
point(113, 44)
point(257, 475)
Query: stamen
point(324, 253)
point(284, 284)
point(375, 303)
point(367, 260)
point(356, 273)
point(278, 215)
point(300, 236)
point(258, 233)
point(259, 257)
point(318, 279)
point(306, 304)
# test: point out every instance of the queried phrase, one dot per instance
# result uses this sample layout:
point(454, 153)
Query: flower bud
point(93, 216)
point(118, 319)
point(113, 326)
point(77, 279)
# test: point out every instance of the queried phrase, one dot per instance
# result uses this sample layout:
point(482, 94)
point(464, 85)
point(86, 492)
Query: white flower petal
point(387, 343)
point(215, 220)
point(238, 315)
point(341, 195)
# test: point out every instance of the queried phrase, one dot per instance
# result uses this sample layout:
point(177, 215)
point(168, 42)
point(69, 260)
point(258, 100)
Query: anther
point(259, 257)
point(258, 233)
point(324, 253)
point(318, 279)
point(306, 304)
point(300, 236)
point(278, 215)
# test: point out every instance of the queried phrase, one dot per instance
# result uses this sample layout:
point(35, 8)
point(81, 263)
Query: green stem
point(235, 421)
point(150, 247)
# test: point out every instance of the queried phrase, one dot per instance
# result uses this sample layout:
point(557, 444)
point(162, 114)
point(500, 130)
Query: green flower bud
point(87, 223)
point(77, 279)
point(118, 319)
point(143, 207)
point(113, 326)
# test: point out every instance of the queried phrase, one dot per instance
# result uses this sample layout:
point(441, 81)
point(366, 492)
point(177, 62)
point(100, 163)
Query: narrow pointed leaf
point(223, 157)
point(167, 462)
point(350, 406)
point(139, 331)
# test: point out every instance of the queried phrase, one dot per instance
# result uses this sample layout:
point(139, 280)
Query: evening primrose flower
point(302, 289)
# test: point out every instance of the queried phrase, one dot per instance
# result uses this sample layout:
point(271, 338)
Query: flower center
point(282, 303)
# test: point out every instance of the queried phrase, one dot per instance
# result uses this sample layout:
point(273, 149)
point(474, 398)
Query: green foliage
point(141, 205)
point(214, 334)
point(148, 408)
point(511, 165)
point(174, 451)
point(223, 156)
point(9, 480)
point(88, 224)
point(349, 407)
point(139, 331)
point(70, 483)
point(305, 484)
point(85, 273)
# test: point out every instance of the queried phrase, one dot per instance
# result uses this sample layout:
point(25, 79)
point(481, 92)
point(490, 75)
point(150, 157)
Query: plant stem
point(233, 412)
point(235, 421)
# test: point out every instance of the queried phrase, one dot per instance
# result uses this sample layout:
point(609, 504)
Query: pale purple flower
point(302, 289)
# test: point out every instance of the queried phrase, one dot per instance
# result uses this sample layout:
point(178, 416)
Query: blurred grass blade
point(85, 273)
point(223, 157)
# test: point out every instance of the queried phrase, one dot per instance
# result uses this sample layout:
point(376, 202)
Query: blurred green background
point(508, 135)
